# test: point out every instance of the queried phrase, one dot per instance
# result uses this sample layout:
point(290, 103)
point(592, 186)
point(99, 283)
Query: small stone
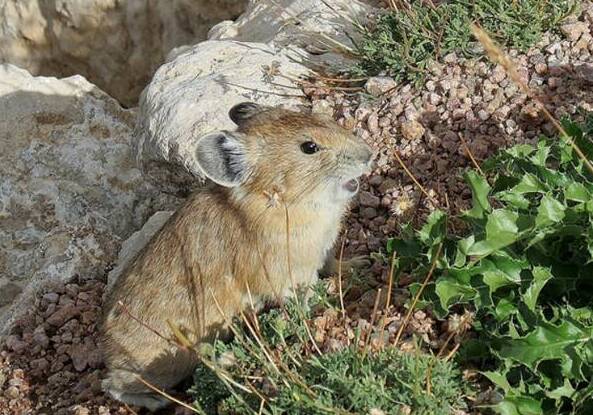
point(368, 213)
point(376, 180)
point(585, 71)
point(40, 338)
point(15, 344)
point(369, 200)
point(498, 74)
point(322, 106)
point(541, 68)
point(573, 31)
point(12, 392)
point(450, 58)
point(63, 314)
point(380, 85)
point(434, 99)
point(51, 297)
point(412, 130)
point(84, 355)
point(39, 364)
point(80, 410)
point(373, 123)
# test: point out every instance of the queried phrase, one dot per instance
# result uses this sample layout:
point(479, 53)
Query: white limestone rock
point(70, 189)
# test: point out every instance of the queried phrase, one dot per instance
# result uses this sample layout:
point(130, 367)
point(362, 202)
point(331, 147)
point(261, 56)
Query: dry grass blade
point(179, 336)
point(372, 323)
point(388, 299)
point(417, 296)
point(294, 288)
point(416, 182)
point(497, 55)
point(167, 396)
point(259, 342)
point(340, 277)
point(143, 324)
point(470, 154)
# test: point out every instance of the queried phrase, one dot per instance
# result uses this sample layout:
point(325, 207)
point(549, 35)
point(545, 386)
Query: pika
point(264, 227)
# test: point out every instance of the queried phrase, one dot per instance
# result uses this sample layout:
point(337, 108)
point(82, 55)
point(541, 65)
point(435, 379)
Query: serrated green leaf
point(501, 231)
point(519, 405)
point(550, 211)
point(499, 379)
point(564, 391)
point(540, 157)
point(540, 277)
point(480, 190)
point(516, 200)
point(529, 184)
point(451, 291)
point(577, 192)
point(496, 279)
point(545, 342)
point(435, 229)
point(520, 150)
point(462, 247)
point(504, 309)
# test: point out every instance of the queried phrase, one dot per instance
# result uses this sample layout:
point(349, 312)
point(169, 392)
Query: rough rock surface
point(190, 96)
point(116, 44)
point(314, 25)
point(70, 190)
point(260, 58)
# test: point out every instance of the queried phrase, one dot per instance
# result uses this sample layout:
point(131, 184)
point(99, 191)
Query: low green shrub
point(348, 381)
point(403, 43)
point(526, 270)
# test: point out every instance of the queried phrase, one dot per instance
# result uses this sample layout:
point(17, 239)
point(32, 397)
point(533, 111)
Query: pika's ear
point(244, 111)
point(221, 156)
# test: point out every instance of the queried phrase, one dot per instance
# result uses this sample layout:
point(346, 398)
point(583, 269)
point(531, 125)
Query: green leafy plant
point(277, 371)
point(526, 269)
point(404, 42)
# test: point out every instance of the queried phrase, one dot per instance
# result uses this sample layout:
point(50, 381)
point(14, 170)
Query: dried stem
point(167, 396)
point(417, 297)
point(340, 277)
point(307, 329)
point(372, 323)
point(416, 182)
point(388, 299)
point(470, 154)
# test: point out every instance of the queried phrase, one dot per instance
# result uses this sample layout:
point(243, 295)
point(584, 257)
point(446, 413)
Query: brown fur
point(226, 240)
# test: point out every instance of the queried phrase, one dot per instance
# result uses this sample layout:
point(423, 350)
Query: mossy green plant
point(286, 376)
point(403, 43)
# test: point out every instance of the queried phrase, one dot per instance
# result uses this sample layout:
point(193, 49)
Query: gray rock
point(379, 85)
point(115, 44)
point(313, 25)
point(190, 96)
point(70, 191)
point(369, 200)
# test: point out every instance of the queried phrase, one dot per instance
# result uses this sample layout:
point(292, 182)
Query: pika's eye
point(309, 147)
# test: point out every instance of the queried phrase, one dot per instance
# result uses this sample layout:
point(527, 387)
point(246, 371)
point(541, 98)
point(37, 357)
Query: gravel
point(460, 101)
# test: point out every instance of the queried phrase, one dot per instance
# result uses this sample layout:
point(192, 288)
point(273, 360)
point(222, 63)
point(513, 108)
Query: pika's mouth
point(351, 185)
